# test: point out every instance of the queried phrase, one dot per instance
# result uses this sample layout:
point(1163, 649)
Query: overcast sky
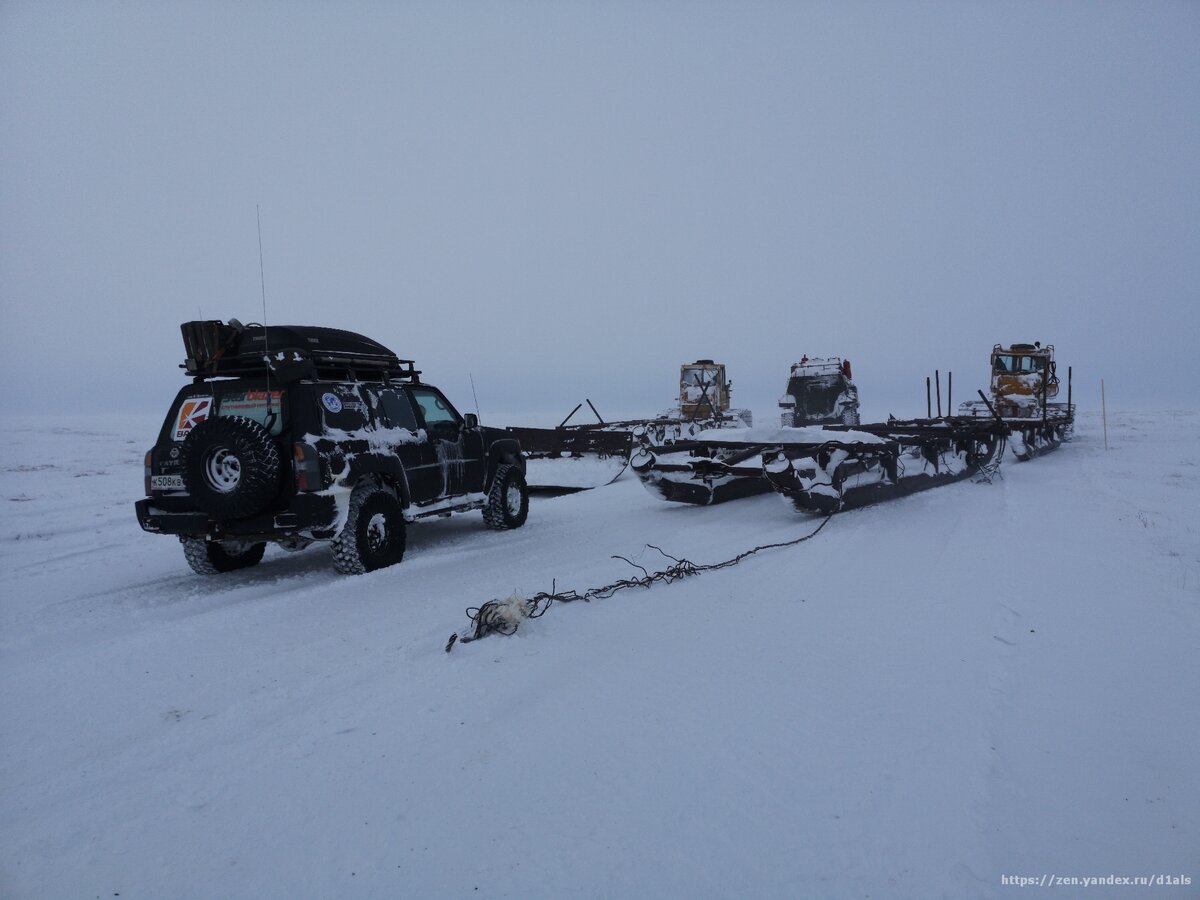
point(570, 199)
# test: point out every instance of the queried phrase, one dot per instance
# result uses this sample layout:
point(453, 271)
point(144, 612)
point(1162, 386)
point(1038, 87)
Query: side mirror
point(471, 421)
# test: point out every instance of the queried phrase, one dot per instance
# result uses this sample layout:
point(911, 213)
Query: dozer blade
point(573, 457)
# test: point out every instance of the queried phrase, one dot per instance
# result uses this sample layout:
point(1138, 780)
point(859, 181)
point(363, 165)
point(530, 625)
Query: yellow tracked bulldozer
point(1024, 381)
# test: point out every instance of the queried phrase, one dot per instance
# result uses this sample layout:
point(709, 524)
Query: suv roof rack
point(287, 352)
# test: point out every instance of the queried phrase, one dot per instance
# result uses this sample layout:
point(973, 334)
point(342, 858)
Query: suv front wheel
point(508, 501)
point(374, 534)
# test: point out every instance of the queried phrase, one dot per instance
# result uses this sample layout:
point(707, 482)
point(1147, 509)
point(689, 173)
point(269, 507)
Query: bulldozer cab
point(1024, 370)
point(703, 389)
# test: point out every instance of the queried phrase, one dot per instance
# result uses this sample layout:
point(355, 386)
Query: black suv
point(296, 434)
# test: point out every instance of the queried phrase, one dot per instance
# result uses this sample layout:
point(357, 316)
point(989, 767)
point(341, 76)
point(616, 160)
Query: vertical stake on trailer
point(1045, 390)
point(1104, 413)
point(928, 401)
point(1070, 411)
point(938, 377)
point(949, 393)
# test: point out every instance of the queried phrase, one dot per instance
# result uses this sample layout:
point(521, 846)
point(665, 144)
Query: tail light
point(149, 469)
point(307, 466)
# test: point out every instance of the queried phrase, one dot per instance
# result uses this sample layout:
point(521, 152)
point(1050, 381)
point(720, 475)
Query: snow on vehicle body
point(852, 467)
point(819, 392)
point(822, 468)
point(714, 468)
point(294, 434)
point(1024, 379)
point(577, 457)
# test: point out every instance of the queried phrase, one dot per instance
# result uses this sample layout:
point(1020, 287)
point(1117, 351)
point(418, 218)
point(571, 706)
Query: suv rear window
point(253, 403)
point(342, 407)
point(221, 399)
point(397, 411)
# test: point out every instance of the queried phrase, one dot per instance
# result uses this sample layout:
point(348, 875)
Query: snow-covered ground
point(975, 682)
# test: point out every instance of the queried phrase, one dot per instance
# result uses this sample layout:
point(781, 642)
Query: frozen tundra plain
point(975, 682)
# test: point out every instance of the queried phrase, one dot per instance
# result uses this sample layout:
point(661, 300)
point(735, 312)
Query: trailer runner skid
point(578, 457)
point(710, 469)
point(823, 468)
point(899, 458)
point(1024, 379)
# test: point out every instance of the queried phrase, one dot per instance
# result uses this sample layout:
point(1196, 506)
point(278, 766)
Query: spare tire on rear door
point(231, 466)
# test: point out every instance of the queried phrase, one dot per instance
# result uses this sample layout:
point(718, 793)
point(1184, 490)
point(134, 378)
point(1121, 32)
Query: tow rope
point(505, 616)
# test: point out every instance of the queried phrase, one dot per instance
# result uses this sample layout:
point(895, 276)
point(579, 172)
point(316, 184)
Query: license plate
point(166, 482)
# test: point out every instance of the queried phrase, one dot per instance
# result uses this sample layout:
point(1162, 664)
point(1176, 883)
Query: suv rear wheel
point(212, 558)
point(374, 534)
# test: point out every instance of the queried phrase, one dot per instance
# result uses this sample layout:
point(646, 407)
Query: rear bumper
point(306, 513)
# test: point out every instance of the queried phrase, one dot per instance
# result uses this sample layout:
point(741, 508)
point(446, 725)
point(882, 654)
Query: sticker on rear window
point(194, 411)
point(332, 402)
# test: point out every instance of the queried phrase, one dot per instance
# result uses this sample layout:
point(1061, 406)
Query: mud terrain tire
point(213, 558)
point(374, 534)
point(231, 467)
point(508, 501)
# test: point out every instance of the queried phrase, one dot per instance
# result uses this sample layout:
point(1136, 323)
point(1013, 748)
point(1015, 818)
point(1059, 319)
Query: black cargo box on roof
point(287, 352)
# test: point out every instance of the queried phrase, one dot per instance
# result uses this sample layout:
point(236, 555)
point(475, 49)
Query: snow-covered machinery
point(577, 457)
point(871, 463)
point(710, 467)
point(821, 468)
point(1024, 384)
point(704, 393)
point(819, 392)
point(713, 468)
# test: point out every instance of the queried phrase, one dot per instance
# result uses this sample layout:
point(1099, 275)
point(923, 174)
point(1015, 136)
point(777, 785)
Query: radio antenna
point(472, 377)
point(262, 277)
